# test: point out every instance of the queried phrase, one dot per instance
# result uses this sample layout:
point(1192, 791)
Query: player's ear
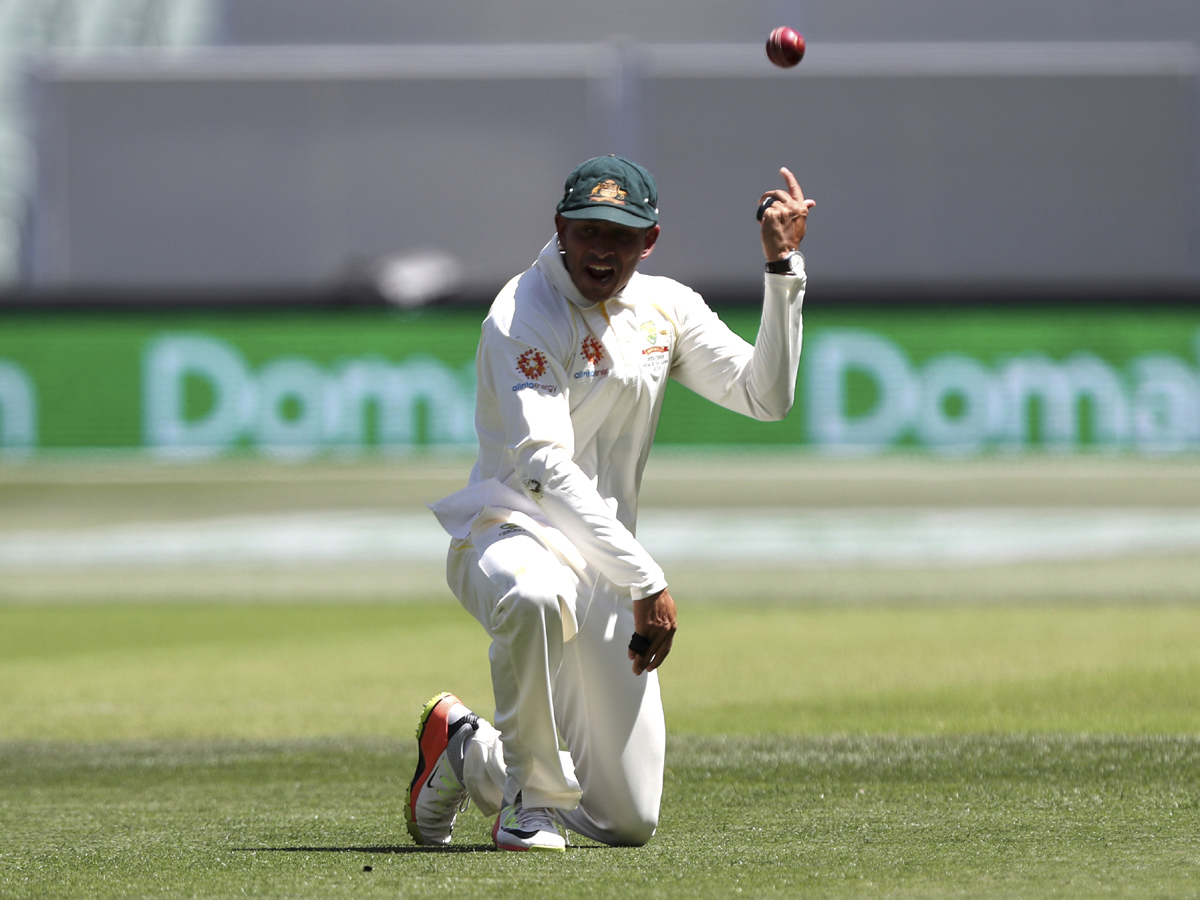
point(651, 239)
point(560, 224)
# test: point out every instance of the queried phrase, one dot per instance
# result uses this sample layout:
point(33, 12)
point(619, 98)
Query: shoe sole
point(426, 759)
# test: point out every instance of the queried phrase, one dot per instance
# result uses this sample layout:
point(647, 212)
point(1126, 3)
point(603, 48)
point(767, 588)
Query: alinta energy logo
point(593, 354)
point(592, 350)
point(532, 363)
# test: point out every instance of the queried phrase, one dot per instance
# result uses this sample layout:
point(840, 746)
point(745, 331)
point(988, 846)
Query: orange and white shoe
point(437, 793)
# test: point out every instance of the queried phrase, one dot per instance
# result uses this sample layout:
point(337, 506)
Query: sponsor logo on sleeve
point(532, 364)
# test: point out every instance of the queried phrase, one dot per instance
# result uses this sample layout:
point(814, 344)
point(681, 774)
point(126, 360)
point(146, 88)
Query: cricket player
point(572, 364)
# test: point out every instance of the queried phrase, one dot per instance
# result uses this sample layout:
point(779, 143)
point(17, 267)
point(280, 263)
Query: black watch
point(792, 264)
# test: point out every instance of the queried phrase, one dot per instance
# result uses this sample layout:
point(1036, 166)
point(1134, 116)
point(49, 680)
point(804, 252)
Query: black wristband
point(785, 266)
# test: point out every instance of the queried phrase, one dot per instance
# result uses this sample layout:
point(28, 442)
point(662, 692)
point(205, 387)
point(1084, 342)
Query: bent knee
point(632, 831)
point(530, 602)
point(634, 834)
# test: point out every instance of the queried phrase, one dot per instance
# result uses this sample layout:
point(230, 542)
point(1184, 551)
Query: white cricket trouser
point(555, 686)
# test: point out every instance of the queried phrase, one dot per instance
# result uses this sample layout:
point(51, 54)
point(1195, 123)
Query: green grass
point(981, 816)
point(922, 751)
point(267, 671)
point(1027, 731)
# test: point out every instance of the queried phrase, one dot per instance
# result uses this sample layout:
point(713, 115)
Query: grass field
point(1022, 730)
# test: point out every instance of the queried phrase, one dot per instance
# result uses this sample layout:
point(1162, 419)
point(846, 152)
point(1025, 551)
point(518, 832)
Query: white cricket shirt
point(569, 394)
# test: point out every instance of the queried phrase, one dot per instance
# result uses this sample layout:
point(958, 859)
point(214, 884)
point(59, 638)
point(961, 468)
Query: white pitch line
point(793, 538)
point(920, 537)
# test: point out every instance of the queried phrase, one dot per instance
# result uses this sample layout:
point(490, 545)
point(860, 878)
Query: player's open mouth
point(601, 274)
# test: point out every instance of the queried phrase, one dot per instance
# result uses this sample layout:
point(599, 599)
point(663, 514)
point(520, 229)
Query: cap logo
point(609, 188)
point(608, 192)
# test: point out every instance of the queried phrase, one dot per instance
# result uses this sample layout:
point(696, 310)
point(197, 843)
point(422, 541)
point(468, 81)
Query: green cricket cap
point(613, 189)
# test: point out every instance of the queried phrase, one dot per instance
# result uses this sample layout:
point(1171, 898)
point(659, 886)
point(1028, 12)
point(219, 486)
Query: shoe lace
point(556, 815)
point(451, 792)
point(534, 818)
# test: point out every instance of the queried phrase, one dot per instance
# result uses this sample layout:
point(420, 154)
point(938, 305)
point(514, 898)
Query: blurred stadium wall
point(344, 164)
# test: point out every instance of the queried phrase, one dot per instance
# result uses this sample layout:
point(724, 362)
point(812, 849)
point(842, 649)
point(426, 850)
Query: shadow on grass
point(452, 848)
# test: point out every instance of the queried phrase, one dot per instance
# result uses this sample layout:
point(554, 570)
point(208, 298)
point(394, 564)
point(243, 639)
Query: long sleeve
point(756, 380)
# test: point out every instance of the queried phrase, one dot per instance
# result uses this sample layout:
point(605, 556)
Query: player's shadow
point(453, 848)
point(450, 848)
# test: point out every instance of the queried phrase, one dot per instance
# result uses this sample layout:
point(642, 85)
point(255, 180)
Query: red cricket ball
point(785, 47)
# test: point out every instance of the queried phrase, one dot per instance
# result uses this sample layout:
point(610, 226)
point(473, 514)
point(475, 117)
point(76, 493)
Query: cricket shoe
point(518, 828)
point(437, 793)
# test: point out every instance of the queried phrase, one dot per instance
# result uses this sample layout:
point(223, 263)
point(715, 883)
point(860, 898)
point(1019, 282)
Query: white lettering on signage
point(294, 407)
point(957, 405)
point(18, 411)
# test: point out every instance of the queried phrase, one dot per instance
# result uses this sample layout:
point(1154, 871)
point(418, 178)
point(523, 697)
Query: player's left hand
point(785, 221)
point(653, 618)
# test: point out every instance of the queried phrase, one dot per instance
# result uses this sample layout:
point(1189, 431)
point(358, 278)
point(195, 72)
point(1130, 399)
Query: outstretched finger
point(793, 186)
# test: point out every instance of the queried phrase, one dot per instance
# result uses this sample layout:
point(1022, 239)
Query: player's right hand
point(785, 221)
point(654, 618)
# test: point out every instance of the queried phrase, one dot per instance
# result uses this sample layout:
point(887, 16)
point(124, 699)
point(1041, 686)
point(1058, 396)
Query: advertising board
point(297, 385)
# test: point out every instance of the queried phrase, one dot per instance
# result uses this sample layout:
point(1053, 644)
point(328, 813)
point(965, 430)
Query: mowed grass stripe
point(978, 816)
point(262, 671)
